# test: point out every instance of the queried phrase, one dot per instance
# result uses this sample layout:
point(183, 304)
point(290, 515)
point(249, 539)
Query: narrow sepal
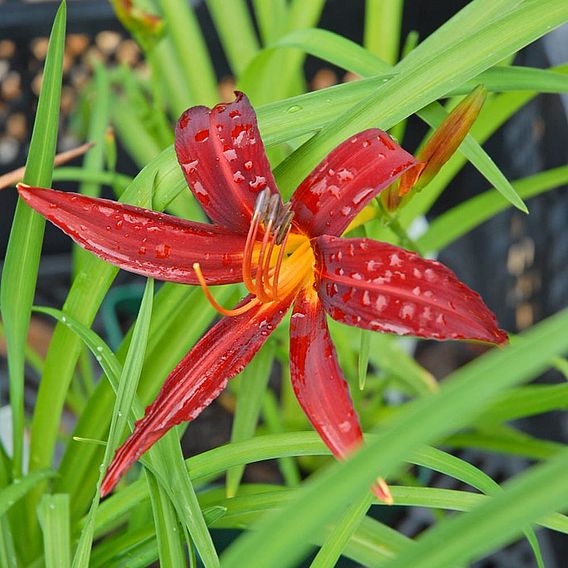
point(197, 380)
point(142, 241)
point(378, 286)
point(346, 180)
point(224, 161)
point(319, 384)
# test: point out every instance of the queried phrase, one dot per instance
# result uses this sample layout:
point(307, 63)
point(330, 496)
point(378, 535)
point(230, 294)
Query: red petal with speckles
point(346, 180)
point(223, 158)
point(318, 381)
point(378, 286)
point(198, 379)
point(140, 240)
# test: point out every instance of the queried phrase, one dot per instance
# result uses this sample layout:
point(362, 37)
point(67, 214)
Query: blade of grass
point(343, 52)
point(79, 174)
point(363, 358)
point(19, 274)
point(383, 19)
point(190, 47)
point(461, 219)
point(168, 535)
point(234, 26)
point(340, 534)
point(252, 387)
point(11, 494)
point(494, 522)
point(125, 394)
point(271, 18)
point(53, 513)
point(166, 456)
point(94, 160)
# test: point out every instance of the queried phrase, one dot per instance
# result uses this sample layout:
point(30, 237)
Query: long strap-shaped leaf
point(24, 247)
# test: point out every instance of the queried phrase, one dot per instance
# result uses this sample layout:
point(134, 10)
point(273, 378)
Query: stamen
point(260, 209)
point(235, 312)
point(271, 216)
point(279, 260)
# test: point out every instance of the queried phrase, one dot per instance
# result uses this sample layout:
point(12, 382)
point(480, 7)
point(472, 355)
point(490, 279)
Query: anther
point(284, 226)
point(261, 204)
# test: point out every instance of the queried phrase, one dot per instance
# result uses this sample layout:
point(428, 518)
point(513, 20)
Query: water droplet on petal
point(202, 136)
point(163, 250)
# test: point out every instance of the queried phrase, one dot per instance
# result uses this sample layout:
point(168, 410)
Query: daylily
point(287, 256)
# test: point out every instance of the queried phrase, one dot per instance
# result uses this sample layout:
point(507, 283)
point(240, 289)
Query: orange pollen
point(277, 265)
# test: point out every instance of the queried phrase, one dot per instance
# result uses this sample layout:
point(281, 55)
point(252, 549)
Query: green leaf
point(340, 534)
point(383, 22)
point(461, 397)
point(19, 274)
point(252, 387)
point(494, 522)
point(234, 26)
point(168, 534)
point(363, 359)
point(345, 53)
point(461, 219)
point(429, 72)
point(95, 158)
point(53, 513)
point(13, 493)
point(166, 456)
point(187, 39)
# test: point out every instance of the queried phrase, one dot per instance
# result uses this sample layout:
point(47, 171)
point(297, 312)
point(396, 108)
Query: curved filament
point(234, 312)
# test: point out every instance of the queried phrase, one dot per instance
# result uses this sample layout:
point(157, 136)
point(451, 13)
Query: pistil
point(276, 221)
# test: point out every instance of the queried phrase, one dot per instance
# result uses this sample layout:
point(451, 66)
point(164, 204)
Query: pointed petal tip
point(382, 491)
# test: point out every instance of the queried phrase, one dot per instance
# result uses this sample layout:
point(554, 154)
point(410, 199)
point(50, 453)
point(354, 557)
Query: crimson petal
point(198, 379)
point(318, 382)
point(223, 158)
point(142, 241)
point(378, 286)
point(346, 180)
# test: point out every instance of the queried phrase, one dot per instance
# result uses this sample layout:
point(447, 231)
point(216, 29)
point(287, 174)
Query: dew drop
point(258, 183)
point(238, 177)
point(248, 165)
point(163, 250)
point(294, 108)
point(202, 136)
point(230, 154)
point(362, 195)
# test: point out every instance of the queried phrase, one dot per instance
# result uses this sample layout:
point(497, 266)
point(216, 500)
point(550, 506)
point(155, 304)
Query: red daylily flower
point(286, 255)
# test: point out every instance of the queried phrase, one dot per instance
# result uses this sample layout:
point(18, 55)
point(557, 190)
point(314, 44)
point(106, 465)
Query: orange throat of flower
point(277, 262)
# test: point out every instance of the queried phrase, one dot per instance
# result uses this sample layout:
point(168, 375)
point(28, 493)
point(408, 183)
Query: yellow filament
point(235, 312)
